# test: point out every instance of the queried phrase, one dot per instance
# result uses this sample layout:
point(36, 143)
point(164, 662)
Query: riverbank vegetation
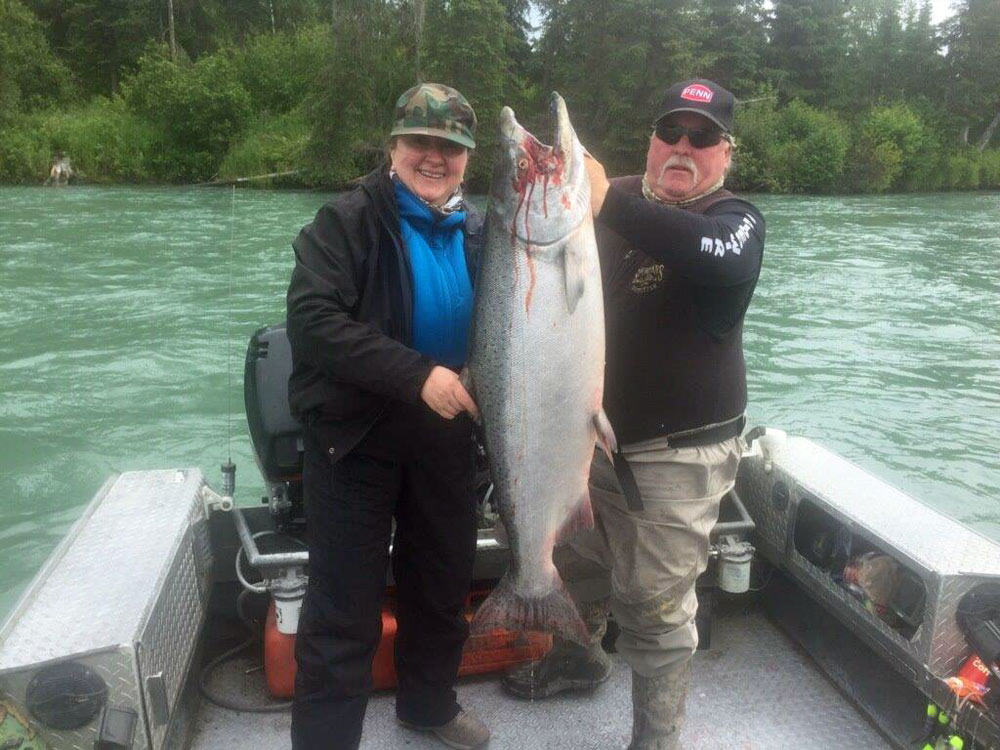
point(866, 96)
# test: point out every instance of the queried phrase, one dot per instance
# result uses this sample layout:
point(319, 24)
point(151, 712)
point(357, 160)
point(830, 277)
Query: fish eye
point(522, 164)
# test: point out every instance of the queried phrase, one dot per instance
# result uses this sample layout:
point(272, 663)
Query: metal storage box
point(794, 478)
point(106, 632)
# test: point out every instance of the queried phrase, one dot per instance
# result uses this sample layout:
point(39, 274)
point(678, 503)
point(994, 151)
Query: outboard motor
point(275, 434)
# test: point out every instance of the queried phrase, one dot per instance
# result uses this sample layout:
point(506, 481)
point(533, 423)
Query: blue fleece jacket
point(442, 287)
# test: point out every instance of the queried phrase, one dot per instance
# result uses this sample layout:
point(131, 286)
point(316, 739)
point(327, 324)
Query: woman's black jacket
point(350, 314)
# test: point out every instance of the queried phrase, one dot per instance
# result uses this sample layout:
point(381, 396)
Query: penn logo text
point(698, 93)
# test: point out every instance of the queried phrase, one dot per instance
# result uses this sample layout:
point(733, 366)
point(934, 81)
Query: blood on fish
point(545, 196)
point(540, 161)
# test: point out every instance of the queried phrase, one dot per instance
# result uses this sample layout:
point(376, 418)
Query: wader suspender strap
point(627, 481)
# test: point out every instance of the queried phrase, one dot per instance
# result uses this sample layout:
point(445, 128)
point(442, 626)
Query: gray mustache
point(679, 160)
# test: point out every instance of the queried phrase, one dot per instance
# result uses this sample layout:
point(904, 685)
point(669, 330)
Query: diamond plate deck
point(116, 668)
point(753, 690)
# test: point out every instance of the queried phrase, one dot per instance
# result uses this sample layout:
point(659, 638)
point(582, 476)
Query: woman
point(378, 309)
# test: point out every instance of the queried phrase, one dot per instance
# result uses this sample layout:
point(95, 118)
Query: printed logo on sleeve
point(698, 93)
point(716, 246)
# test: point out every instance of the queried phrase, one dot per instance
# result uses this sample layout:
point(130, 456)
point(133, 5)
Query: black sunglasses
point(697, 137)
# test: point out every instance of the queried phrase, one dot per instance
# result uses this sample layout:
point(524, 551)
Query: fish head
point(541, 193)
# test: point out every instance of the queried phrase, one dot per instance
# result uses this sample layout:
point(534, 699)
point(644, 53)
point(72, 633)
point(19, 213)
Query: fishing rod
point(229, 468)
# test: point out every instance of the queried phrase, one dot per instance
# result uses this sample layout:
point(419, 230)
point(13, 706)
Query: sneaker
point(464, 732)
point(568, 666)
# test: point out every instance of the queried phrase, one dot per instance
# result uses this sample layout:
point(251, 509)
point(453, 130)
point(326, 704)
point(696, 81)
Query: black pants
point(419, 469)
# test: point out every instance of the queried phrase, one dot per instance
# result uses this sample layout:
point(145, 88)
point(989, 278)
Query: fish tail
point(505, 609)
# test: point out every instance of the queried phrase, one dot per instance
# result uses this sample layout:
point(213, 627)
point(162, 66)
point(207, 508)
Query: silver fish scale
point(538, 372)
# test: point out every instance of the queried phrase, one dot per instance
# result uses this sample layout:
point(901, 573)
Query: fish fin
point(605, 435)
point(573, 263)
point(505, 609)
point(581, 519)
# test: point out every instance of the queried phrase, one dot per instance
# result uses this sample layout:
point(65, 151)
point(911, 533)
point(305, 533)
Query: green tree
point(204, 26)
point(894, 54)
point(522, 66)
point(611, 60)
point(809, 150)
point(807, 49)
point(990, 175)
point(973, 39)
point(961, 170)
point(874, 37)
point(105, 38)
point(199, 110)
point(895, 150)
point(31, 77)
point(277, 70)
point(474, 62)
point(370, 61)
point(754, 154)
point(921, 74)
point(734, 38)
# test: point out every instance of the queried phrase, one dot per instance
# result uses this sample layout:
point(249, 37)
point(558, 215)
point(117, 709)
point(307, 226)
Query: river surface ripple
point(126, 313)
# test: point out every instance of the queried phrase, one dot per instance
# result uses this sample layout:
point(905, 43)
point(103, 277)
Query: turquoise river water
point(125, 314)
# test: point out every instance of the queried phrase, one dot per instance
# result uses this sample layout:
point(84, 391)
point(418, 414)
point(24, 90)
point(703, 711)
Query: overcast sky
point(942, 9)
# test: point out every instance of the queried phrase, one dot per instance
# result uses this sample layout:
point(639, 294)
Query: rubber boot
point(568, 665)
point(658, 708)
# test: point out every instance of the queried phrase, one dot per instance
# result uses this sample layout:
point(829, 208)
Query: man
point(61, 172)
point(680, 257)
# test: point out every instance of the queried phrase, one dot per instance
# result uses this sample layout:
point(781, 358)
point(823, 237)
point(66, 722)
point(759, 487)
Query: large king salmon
point(536, 366)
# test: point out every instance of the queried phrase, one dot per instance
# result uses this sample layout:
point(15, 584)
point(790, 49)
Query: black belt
point(687, 439)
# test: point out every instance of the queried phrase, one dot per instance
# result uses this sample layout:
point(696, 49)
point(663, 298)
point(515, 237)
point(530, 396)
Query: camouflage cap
point(435, 109)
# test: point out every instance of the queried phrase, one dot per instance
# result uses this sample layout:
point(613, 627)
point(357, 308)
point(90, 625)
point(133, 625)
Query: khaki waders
point(644, 564)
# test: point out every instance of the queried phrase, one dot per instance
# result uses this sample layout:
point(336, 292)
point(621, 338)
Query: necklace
point(651, 196)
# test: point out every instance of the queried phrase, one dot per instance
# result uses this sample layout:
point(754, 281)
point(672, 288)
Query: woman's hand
point(445, 394)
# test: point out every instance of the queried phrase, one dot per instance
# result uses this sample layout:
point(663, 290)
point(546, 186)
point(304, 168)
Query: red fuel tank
point(483, 653)
point(279, 658)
